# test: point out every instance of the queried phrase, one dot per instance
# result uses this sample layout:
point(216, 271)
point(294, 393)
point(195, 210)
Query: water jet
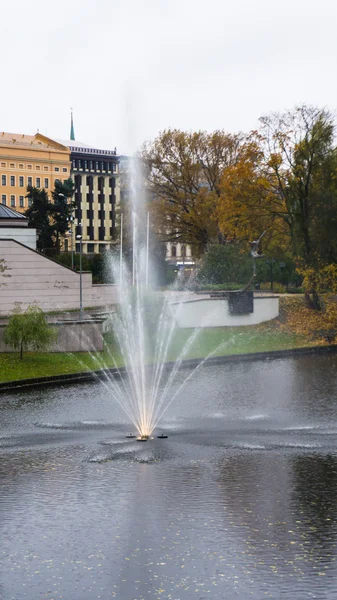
point(143, 328)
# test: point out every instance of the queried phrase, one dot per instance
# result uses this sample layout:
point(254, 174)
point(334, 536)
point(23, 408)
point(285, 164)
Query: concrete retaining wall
point(72, 336)
point(28, 277)
point(214, 312)
point(23, 235)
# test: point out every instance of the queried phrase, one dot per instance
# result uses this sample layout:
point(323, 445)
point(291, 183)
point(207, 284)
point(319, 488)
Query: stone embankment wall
point(72, 336)
point(28, 277)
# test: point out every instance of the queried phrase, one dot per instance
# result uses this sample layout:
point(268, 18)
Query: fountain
point(143, 328)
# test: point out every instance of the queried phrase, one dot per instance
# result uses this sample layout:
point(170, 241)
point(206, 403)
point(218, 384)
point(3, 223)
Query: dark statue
point(254, 251)
point(241, 302)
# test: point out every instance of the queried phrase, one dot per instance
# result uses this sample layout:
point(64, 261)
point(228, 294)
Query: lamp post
point(79, 237)
point(71, 220)
point(271, 263)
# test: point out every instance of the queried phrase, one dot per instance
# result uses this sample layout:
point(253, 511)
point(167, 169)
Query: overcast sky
point(131, 68)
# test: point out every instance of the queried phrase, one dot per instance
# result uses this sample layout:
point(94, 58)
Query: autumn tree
point(301, 163)
point(249, 202)
point(183, 175)
point(285, 182)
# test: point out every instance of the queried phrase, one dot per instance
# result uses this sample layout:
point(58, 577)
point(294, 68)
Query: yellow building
point(29, 160)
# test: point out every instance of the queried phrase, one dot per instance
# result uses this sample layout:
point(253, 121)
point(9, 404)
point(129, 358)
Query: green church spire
point(72, 131)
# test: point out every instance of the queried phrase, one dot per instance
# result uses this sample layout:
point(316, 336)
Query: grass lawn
point(219, 341)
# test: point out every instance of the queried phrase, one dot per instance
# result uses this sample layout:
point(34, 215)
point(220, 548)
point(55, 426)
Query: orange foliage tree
point(249, 201)
point(183, 174)
point(285, 181)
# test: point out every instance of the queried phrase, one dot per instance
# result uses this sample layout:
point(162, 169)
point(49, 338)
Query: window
point(91, 248)
point(3, 180)
point(46, 183)
point(3, 164)
point(173, 251)
point(29, 180)
point(12, 180)
point(30, 201)
point(38, 182)
point(96, 166)
point(20, 166)
point(85, 164)
point(45, 168)
point(29, 166)
point(22, 202)
point(57, 181)
point(21, 181)
point(12, 200)
point(91, 165)
point(12, 165)
point(57, 169)
point(74, 164)
point(3, 199)
point(38, 168)
point(65, 170)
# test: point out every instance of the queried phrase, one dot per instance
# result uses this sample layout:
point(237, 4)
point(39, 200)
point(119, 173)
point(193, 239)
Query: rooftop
point(76, 146)
point(9, 213)
point(37, 141)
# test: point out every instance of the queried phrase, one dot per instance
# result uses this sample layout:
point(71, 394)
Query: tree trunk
point(314, 302)
point(21, 350)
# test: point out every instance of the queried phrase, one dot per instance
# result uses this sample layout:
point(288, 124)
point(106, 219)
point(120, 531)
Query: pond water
point(239, 502)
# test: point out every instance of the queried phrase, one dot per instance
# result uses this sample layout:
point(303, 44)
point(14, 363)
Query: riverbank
point(288, 332)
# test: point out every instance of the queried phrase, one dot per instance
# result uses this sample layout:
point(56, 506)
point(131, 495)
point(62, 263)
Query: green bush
point(214, 287)
point(224, 264)
point(278, 288)
point(295, 290)
point(29, 331)
point(65, 259)
point(227, 263)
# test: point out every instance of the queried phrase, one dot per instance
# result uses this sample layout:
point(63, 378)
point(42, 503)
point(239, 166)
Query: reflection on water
point(238, 502)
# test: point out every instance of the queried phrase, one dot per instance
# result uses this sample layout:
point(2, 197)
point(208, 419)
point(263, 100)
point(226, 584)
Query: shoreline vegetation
point(296, 327)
